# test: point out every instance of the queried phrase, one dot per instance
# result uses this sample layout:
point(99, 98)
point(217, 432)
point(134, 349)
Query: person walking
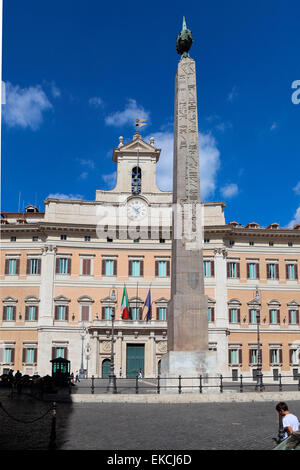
point(77, 377)
point(120, 372)
point(290, 422)
point(140, 374)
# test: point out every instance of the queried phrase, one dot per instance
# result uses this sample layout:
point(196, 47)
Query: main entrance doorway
point(105, 368)
point(135, 359)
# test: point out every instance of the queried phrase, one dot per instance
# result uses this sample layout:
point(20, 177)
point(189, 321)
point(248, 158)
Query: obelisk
point(188, 353)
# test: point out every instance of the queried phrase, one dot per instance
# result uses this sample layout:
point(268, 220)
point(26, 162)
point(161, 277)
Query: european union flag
point(148, 304)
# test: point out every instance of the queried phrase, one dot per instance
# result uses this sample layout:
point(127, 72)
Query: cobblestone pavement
point(111, 426)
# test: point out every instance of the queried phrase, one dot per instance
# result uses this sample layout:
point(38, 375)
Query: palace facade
point(63, 273)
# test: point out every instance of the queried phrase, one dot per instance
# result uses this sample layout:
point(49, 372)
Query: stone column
point(47, 286)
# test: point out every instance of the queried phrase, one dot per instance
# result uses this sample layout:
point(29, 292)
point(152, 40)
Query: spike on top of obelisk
point(184, 40)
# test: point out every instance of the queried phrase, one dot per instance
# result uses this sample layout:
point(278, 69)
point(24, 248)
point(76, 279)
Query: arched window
point(136, 180)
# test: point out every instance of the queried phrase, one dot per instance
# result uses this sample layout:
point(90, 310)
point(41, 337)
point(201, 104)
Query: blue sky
point(77, 74)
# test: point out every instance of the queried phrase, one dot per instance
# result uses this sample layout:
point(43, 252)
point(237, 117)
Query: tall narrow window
point(291, 271)
point(162, 312)
point(233, 270)
point(33, 266)
point(136, 180)
point(252, 316)
point(272, 271)
point(63, 265)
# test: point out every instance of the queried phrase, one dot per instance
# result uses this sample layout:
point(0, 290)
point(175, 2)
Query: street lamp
point(82, 334)
point(112, 387)
point(87, 355)
point(259, 384)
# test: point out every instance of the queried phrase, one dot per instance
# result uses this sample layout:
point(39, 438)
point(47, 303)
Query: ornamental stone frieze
point(106, 346)
point(162, 347)
point(221, 251)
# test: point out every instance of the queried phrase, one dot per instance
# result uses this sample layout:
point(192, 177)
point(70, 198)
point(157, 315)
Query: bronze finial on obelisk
point(184, 40)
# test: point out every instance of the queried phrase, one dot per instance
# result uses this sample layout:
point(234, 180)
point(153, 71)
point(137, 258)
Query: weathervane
point(184, 40)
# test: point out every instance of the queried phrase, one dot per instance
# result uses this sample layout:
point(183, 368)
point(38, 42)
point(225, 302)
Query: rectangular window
point(253, 316)
point(272, 271)
point(107, 313)
point(234, 356)
point(293, 356)
point(233, 270)
point(234, 315)
point(291, 271)
point(293, 317)
point(211, 314)
point(60, 352)
point(274, 356)
point(85, 313)
point(34, 266)
point(12, 266)
point(206, 268)
point(61, 312)
point(253, 356)
point(9, 313)
point(162, 268)
point(136, 268)
point(273, 316)
point(30, 355)
point(86, 266)
point(135, 313)
point(162, 313)
point(8, 355)
point(109, 267)
point(32, 313)
point(63, 266)
point(252, 271)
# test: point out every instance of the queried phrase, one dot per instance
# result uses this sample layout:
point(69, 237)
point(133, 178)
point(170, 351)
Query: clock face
point(136, 209)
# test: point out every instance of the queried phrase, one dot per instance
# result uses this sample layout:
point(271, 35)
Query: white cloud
point(25, 106)
point(296, 219)
point(65, 196)
point(209, 162)
point(128, 116)
point(83, 175)
point(96, 101)
point(86, 162)
point(110, 179)
point(55, 90)
point(233, 94)
point(230, 190)
point(274, 126)
point(297, 188)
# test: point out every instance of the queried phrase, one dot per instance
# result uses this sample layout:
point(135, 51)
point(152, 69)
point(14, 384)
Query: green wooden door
point(135, 359)
point(105, 368)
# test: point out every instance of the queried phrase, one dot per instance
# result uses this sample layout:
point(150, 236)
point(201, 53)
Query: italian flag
point(124, 305)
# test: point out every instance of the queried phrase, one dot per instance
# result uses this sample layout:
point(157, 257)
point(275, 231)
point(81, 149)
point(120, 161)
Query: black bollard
point(52, 442)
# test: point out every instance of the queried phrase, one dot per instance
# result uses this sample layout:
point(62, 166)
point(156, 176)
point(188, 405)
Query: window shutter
point(113, 310)
point(142, 268)
point(103, 313)
point(250, 356)
point(26, 312)
point(277, 270)
point(240, 356)
point(85, 313)
point(157, 313)
point(6, 266)
point(36, 312)
point(12, 355)
point(14, 313)
point(228, 271)
point(270, 356)
point(278, 316)
point(39, 266)
point(56, 312)
point(229, 315)
point(69, 265)
point(291, 355)
point(287, 271)
point(28, 266)
point(18, 266)
point(212, 311)
point(168, 268)
point(115, 267)
point(248, 271)
point(65, 353)
point(212, 268)
point(268, 272)
point(4, 313)
point(53, 353)
point(130, 268)
point(67, 313)
point(35, 355)
point(229, 356)
point(289, 316)
point(280, 356)
point(296, 271)
point(297, 316)
point(24, 355)
point(239, 315)
point(249, 316)
point(270, 316)
point(57, 266)
point(103, 267)
point(238, 269)
point(84, 270)
point(257, 270)
point(130, 313)
point(156, 268)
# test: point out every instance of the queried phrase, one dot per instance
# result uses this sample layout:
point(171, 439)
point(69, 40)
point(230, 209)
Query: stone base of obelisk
point(196, 368)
